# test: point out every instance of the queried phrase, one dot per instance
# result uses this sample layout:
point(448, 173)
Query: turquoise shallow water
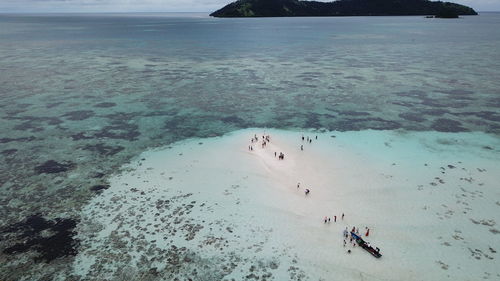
point(82, 94)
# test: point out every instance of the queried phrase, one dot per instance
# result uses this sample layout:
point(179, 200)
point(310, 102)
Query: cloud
point(111, 5)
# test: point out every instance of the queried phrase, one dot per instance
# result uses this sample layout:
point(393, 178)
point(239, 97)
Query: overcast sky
point(158, 5)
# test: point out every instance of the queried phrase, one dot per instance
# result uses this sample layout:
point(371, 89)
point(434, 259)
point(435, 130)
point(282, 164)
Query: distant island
point(296, 8)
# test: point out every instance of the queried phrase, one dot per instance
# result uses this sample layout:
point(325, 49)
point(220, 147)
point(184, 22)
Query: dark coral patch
point(413, 94)
point(356, 77)
point(50, 239)
point(54, 104)
point(313, 121)
point(404, 103)
point(434, 111)
point(35, 124)
point(98, 175)
point(22, 139)
point(432, 102)
point(459, 94)
point(365, 123)
point(105, 104)
point(79, 115)
point(234, 120)
point(99, 188)
point(354, 113)
point(447, 125)
point(119, 130)
point(81, 136)
point(381, 124)
point(416, 117)
point(8, 152)
point(485, 115)
point(493, 102)
point(121, 127)
point(53, 167)
point(106, 150)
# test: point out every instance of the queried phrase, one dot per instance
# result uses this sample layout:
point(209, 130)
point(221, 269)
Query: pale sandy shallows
point(210, 209)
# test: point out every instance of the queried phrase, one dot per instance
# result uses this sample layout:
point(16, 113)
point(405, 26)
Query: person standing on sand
point(328, 219)
point(334, 218)
point(275, 154)
point(302, 147)
point(342, 216)
point(298, 185)
point(367, 232)
point(325, 219)
point(316, 137)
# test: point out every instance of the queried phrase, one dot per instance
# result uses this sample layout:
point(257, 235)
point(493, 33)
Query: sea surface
point(83, 94)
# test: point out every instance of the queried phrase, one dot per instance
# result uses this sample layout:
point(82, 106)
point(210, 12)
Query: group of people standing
point(306, 191)
point(307, 139)
point(265, 140)
point(327, 219)
point(351, 240)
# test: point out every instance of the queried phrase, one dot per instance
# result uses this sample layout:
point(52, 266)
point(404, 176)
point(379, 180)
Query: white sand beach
point(211, 209)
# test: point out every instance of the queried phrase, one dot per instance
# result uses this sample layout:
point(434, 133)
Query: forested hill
point(295, 8)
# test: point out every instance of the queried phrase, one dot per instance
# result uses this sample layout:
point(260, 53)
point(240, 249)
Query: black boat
point(366, 245)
